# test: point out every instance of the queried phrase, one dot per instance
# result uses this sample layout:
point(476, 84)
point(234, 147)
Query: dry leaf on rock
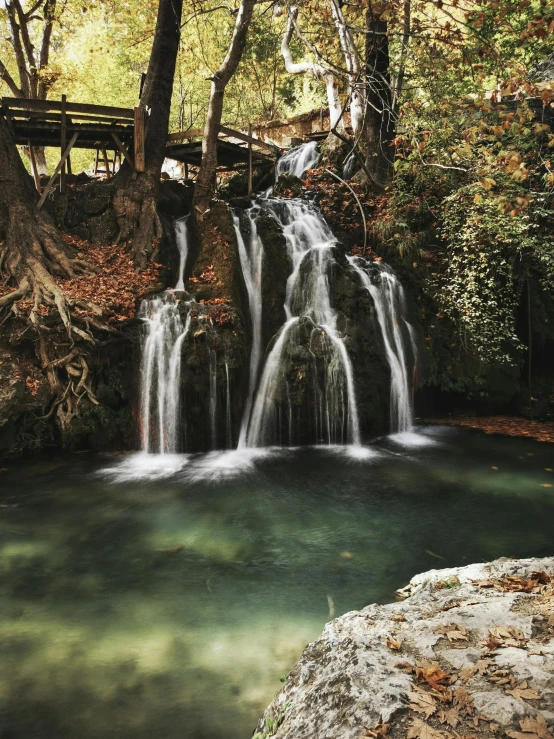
point(523, 691)
point(453, 632)
point(532, 728)
point(420, 730)
point(393, 643)
point(433, 676)
point(422, 702)
point(450, 717)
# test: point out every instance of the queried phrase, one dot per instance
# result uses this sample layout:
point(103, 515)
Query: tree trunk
point(379, 118)
point(135, 199)
point(205, 183)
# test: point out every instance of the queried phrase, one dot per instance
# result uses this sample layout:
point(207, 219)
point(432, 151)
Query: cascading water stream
point(310, 246)
point(161, 373)
point(251, 261)
point(160, 392)
point(390, 307)
point(182, 239)
point(296, 161)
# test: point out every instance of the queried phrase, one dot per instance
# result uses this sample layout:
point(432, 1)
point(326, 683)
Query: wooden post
point(250, 160)
point(123, 150)
point(186, 171)
point(58, 168)
point(34, 167)
point(63, 142)
point(140, 116)
point(96, 159)
point(106, 163)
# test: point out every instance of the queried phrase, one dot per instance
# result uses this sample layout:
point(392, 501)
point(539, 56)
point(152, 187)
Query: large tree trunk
point(135, 200)
point(205, 183)
point(379, 117)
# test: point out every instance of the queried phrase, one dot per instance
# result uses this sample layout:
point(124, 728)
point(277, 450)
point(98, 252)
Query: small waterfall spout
point(160, 387)
point(160, 373)
point(296, 161)
point(251, 260)
point(398, 335)
point(182, 239)
point(310, 331)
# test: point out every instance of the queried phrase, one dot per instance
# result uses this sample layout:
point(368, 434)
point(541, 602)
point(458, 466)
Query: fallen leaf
point(420, 730)
point(398, 617)
point(433, 676)
point(393, 643)
point(422, 702)
point(522, 691)
point(450, 717)
point(546, 485)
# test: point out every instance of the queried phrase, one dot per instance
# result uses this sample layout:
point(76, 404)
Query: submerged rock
point(470, 650)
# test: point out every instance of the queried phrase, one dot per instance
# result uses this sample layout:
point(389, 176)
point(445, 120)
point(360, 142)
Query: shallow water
point(140, 602)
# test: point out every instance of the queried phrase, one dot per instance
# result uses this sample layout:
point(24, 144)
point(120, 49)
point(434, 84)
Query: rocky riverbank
point(468, 652)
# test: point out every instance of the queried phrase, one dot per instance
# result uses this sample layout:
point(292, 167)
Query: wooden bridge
point(121, 133)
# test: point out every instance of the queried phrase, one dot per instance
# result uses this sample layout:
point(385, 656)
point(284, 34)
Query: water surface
point(141, 600)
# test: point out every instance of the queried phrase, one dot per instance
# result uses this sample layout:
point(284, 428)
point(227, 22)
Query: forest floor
point(503, 426)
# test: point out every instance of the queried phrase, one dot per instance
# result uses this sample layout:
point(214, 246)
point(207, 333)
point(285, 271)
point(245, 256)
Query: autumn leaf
point(422, 702)
point(393, 643)
point(421, 730)
point(450, 717)
point(433, 676)
point(453, 632)
point(522, 691)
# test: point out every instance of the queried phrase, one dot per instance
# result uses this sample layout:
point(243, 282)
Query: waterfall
point(213, 395)
point(310, 245)
point(161, 373)
point(390, 307)
point(228, 422)
point(181, 237)
point(251, 259)
point(160, 387)
point(296, 161)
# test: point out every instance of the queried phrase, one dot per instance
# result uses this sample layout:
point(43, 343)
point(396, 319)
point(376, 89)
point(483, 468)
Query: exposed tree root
point(31, 256)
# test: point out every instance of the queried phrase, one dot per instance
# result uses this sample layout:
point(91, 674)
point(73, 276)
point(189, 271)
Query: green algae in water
point(171, 606)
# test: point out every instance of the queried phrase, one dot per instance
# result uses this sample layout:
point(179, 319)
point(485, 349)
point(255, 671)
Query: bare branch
point(8, 79)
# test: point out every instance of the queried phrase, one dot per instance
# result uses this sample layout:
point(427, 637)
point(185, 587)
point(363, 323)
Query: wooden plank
point(191, 133)
point(123, 150)
point(106, 110)
point(140, 116)
point(63, 141)
point(84, 127)
point(22, 116)
point(34, 167)
point(60, 165)
point(243, 137)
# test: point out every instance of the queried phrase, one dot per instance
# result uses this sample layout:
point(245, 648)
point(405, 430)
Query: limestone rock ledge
point(468, 653)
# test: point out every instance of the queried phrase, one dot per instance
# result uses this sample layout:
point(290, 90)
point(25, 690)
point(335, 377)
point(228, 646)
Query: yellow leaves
point(546, 485)
point(477, 198)
point(488, 182)
point(393, 643)
point(421, 730)
point(523, 691)
point(398, 617)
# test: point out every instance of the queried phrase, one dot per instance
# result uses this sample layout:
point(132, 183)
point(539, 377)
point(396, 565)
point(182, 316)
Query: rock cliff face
point(470, 652)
